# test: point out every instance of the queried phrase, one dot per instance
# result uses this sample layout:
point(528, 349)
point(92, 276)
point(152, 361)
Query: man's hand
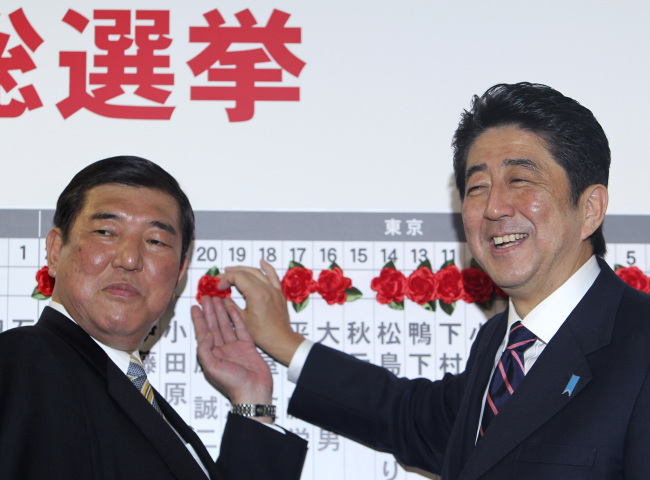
point(226, 351)
point(266, 315)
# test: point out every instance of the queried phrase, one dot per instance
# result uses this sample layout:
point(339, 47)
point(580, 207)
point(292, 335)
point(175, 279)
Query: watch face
point(259, 411)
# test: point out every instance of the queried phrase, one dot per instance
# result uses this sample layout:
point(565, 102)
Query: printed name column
point(24, 262)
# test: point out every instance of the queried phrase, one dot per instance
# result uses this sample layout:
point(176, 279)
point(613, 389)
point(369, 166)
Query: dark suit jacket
point(67, 411)
point(599, 431)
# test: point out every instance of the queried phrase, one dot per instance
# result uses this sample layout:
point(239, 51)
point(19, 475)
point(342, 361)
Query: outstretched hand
point(266, 315)
point(230, 360)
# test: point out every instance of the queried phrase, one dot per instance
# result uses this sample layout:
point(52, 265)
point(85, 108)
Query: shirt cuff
point(274, 427)
point(298, 360)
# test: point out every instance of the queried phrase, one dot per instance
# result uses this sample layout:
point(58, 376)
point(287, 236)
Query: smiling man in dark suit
point(68, 407)
point(555, 387)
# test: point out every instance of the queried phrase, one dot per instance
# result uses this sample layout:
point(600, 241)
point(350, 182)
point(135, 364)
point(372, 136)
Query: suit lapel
point(150, 423)
point(543, 392)
point(536, 400)
point(188, 434)
point(134, 405)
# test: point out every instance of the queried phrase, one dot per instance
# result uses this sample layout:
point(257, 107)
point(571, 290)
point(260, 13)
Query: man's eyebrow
point(521, 162)
point(154, 223)
point(163, 226)
point(481, 167)
point(104, 216)
point(508, 162)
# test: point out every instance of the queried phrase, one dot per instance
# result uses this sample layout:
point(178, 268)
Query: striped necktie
point(138, 377)
point(509, 373)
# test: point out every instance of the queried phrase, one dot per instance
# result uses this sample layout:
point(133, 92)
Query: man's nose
point(499, 203)
point(129, 253)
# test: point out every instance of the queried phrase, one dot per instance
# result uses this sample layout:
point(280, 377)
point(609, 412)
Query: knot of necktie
point(138, 377)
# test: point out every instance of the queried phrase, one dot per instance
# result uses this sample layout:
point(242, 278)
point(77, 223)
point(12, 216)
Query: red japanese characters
point(128, 73)
point(18, 59)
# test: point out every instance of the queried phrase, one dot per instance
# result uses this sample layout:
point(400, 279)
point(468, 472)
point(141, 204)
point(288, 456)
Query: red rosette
point(332, 286)
point(634, 277)
point(450, 284)
point(477, 286)
point(44, 283)
point(208, 285)
point(298, 283)
point(390, 286)
point(422, 286)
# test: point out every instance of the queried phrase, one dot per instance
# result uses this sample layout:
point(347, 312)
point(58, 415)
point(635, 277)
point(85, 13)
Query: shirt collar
point(546, 318)
point(119, 357)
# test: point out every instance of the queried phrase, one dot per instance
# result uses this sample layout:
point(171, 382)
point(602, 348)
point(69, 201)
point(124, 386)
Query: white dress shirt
point(548, 316)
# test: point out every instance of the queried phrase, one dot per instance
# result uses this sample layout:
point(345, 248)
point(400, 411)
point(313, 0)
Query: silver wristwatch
point(250, 410)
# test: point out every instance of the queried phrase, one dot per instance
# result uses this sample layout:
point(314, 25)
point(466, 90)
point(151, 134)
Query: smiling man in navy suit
point(532, 168)
point(68, 407)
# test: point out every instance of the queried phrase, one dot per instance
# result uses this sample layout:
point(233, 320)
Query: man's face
point(520, 223)
point(118, 271)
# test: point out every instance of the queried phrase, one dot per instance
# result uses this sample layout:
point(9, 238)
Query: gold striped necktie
point(138, 377)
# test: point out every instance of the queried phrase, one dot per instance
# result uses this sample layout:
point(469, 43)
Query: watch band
point(251, 410)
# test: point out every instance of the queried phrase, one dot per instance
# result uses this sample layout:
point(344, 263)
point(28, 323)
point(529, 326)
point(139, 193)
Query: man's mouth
point(122, 289)
point(508, 240)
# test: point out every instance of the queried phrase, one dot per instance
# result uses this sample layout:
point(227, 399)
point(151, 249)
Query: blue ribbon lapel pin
point(571, 385)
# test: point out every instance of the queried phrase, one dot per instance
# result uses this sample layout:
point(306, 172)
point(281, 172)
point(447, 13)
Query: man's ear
point(54, 245)
point(595, 199)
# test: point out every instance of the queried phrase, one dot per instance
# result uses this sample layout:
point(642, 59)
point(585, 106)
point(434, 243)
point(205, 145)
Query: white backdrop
point(381, 93)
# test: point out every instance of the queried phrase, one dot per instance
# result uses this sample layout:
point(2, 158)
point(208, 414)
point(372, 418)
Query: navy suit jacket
point(67, 411)
point(599, 430)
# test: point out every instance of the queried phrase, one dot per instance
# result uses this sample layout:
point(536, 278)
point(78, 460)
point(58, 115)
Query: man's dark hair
point(573, 136)
point(124, 170)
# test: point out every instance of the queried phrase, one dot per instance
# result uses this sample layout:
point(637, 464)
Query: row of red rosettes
point(426, 287)
point(423, 286)
point(297, 284)
point(335, 288)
